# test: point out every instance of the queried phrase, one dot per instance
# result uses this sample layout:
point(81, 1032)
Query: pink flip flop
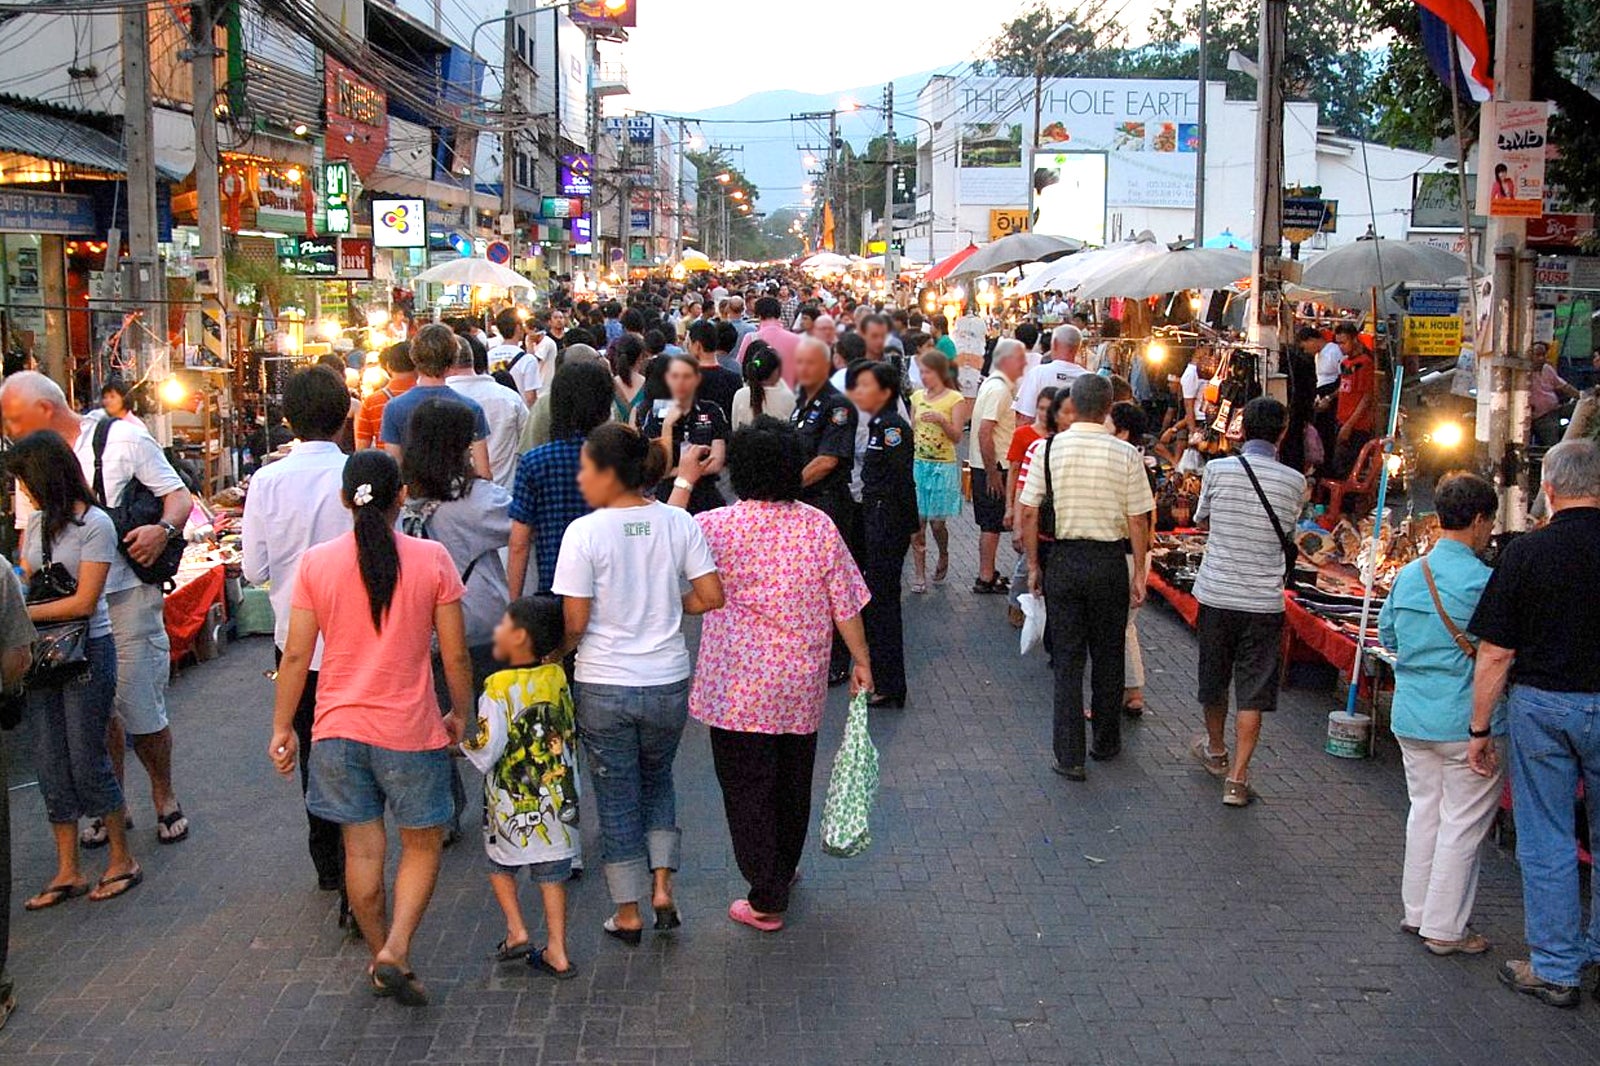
point(742, 913)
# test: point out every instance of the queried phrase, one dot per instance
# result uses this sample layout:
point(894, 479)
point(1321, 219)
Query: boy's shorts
point(555, 872)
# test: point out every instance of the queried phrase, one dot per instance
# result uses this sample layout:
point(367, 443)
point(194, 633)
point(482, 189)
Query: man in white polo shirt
point(1057, 371)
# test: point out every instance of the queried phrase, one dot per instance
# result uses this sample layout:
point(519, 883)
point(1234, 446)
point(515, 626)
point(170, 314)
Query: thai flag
point(1458, 24)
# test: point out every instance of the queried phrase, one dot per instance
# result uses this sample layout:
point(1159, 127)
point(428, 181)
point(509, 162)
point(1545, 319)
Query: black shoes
point(897, 702)
point(1071, 773)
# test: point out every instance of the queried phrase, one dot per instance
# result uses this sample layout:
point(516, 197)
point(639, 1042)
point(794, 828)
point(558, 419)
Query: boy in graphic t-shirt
point(525, 746)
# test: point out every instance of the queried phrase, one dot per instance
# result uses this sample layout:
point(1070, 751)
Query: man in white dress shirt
point(294, 504)
point(504, 409)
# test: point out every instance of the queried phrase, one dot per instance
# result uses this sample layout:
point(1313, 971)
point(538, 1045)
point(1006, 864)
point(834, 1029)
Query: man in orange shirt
point(396, 362)
point(1357, 403)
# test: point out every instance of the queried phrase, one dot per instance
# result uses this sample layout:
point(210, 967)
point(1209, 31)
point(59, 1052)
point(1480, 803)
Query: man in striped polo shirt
point(1095, 486)
point(1240, 589)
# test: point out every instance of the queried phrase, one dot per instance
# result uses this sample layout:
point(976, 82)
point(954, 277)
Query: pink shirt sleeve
point(847, 591)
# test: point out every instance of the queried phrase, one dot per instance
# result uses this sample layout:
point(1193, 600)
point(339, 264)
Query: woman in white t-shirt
point(621, 571)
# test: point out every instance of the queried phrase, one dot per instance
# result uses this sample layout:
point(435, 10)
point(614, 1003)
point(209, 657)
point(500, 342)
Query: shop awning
point(63, 140)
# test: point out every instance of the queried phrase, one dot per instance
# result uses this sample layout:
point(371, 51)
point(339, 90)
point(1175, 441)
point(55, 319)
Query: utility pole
point(141, 273)
point(828, 197)
point(1200, 147)
point(891, 258)
point(210, 284)
point(1503, 423)
point(510, 105)
point(1267, 273)
point(677, 191)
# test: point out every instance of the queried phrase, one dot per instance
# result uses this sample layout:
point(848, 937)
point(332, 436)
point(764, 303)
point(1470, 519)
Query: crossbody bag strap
point(1049, 482)
point(1464, 642)
point(102, 433)
point(1289, 550)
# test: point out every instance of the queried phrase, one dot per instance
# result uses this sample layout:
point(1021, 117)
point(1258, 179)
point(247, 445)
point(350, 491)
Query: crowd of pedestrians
point(501, 571)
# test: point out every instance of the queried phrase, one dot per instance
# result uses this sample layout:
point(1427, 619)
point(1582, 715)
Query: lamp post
point(1038, 76)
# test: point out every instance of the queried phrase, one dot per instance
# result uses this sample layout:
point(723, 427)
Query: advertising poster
point(1069, 195)
point(1511, 177)
point(399, 223)
point(1146, 130)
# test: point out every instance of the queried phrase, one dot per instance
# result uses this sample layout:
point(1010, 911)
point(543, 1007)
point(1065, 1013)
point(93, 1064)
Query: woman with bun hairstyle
point(619, 571)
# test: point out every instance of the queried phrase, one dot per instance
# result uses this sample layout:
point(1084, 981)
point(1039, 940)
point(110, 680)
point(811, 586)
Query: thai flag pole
point(1369, 567)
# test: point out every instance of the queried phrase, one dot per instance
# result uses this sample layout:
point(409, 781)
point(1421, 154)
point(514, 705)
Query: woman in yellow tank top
point(938, 414)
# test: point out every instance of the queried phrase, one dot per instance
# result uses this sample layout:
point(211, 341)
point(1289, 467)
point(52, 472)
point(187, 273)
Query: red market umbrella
point(946, 267)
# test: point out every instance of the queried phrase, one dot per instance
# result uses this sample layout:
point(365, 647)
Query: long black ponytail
point(761, 361)
point(371, 489)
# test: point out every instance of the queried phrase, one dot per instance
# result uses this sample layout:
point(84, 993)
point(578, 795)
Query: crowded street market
point(1021, 588)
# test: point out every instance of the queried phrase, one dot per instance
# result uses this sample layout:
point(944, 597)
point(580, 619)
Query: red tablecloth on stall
point(186, 608)
point(1187, 606)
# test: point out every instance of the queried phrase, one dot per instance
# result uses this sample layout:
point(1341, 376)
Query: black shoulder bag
point(61, 649)
point(1047, 506)
point(138, 507)
point(1290, 552)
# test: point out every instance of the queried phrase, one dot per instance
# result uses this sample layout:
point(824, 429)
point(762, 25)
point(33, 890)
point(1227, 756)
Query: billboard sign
point(1511, 176)
point(639, 220)
point(1069, 195)
point(1004, 221)
point(358, 117)
point(1146, 130)
point(399, 223)
point(577, 174)
point(336, 193)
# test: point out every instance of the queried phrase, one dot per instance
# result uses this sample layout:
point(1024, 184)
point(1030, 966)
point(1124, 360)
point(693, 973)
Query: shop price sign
point(336, 195)
point(1431, 335)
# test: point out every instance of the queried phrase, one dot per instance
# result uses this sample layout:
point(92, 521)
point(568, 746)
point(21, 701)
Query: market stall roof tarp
point(945, 267)
point(1015, 249)
point(1190, 268)
point(470, 271)
point(826, 261)
point(1067, 274)
point(1374, 261)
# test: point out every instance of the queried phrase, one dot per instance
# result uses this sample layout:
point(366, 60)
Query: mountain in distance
point(773, 155)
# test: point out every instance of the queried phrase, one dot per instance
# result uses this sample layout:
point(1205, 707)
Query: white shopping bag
point(1032, 620)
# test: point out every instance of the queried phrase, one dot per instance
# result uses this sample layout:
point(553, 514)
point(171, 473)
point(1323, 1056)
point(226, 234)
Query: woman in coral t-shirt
point(377, 599)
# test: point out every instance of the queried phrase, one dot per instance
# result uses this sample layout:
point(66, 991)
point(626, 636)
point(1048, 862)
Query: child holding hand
point(524, 745)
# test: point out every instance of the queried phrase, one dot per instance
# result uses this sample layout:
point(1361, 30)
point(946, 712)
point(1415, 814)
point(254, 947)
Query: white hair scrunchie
point(363, 495)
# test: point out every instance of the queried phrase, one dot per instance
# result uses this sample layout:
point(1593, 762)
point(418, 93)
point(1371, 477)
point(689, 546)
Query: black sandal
point(667, 918)
point(124, 883)
point(55, 895)
point(165, 834)
point(511, 953)
point(401, 984)
point(537, 961)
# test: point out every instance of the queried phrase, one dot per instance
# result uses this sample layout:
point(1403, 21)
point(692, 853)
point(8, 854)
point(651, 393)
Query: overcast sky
point(685, 55)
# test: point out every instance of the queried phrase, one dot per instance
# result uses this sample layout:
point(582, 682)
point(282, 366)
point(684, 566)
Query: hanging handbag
point(61, 649)
point(138, 507)
point(1464, 642)
point(852, 787)
point(1290, 552)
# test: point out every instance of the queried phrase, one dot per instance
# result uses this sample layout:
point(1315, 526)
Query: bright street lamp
point(724, 177)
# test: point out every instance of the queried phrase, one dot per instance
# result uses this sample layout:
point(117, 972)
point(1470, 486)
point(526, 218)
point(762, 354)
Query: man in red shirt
point(1357, 405)
point(396, 362)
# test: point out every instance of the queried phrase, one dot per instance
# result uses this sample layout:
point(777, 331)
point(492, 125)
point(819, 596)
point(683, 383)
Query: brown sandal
point(121, 883)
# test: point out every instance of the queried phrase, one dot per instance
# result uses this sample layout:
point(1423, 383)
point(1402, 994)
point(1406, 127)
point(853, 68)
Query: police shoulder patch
point(841, 415)
point(891, 437)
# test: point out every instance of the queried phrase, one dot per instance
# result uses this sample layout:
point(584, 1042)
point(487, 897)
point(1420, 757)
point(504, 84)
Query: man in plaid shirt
point(790, 307)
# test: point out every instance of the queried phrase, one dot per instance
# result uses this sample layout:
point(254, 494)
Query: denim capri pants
point(69, 737)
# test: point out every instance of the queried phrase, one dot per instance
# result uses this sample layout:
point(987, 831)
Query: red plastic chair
point(1361, 483)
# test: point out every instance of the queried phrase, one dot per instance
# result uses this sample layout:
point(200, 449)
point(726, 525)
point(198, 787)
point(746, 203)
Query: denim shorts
point(351, 782)
point(554, 872)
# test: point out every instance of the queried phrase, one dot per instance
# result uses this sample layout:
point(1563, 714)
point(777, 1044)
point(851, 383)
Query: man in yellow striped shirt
point(1088, 487)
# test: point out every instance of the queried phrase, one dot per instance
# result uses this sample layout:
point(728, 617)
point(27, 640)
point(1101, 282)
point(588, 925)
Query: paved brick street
point(1003, 915)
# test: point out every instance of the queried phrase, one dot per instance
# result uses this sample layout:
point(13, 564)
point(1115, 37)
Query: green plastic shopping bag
point(852, 787)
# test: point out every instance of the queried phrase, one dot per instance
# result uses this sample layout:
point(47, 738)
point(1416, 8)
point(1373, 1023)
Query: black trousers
point(1086, 597)
point(5, 871)
point(882, 559)
point(766, 791)
point(846, 515)
point(322, 836)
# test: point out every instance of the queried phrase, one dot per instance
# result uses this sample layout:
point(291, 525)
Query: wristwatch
point(173, 532)
point(1478, 734)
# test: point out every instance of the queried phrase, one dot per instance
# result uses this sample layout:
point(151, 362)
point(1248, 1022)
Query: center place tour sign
point(1148, 130)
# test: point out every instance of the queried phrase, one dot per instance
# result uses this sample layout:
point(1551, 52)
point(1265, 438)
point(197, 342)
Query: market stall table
point(197, 590)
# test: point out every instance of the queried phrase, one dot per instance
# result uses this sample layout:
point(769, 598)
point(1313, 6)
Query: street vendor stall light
point(1155, 353)
point(301, 129)
point(173, 393)
point(1395, 463)
point(1447, 434)
point(292, 175)
point(329, 329)
point(377, 319)
point(372, 379)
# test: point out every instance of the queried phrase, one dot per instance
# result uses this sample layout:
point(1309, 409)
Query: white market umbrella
point(1190, 268)
point(1016, 249)
point(468, 271)
point(826, 261)
point(1370, 261)
point(1067, 274)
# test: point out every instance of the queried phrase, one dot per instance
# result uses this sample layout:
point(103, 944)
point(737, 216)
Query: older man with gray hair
point(113, 454)
point(1058, 371)
point(1536, 626)
point(993, 421)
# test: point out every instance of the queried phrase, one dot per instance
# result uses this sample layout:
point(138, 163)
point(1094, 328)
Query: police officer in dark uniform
point(826, 421)
point(888, 519)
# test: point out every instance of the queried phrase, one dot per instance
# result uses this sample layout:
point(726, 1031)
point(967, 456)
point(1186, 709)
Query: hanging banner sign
point(358, 117)
point(1511, 177)
point(577, 174)
point(1431, 335)
point(336, 196)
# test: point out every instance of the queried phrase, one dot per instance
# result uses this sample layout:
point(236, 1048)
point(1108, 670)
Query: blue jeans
point(1555, 744)
point(631, 736)
point(69, 730)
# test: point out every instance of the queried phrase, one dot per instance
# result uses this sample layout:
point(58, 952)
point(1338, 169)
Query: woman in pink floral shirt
point(761, 681)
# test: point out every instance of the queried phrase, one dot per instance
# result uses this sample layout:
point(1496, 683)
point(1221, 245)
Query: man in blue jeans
point(1536, 624)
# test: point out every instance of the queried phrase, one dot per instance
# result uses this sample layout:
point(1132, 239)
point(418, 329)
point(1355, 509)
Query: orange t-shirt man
point(369, 421)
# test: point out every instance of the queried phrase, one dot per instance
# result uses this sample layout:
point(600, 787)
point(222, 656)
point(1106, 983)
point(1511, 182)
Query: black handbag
point(61, 649)
point(1047, 506)
point(137, 507)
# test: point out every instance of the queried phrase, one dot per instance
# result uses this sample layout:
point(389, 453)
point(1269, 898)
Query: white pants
point(1133, 660)
point(1451, 811)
